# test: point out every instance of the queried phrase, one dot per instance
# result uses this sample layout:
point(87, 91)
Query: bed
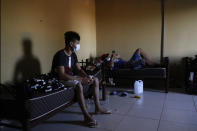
point(31, 108)
point(159, 72)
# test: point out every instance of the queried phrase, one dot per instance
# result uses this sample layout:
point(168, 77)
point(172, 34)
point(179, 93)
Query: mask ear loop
point(71, 46)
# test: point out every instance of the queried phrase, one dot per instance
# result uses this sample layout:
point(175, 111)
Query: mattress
point(38, 107)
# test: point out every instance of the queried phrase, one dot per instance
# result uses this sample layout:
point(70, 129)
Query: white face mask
point(77, 47)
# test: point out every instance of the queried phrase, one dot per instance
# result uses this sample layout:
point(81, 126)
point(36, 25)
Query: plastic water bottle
point(107, 101)
point(191, 76)
point(88, 104)
point(111, 81)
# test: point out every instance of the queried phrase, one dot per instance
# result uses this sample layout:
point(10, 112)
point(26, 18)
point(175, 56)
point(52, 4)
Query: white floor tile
point(137, 124)
point(186, 117)
point(174, 126)
point(180, 105)
point(152, 113)
point(179, 97)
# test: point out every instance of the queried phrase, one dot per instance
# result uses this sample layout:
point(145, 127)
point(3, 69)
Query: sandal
point(103, 112)
point(91, 123)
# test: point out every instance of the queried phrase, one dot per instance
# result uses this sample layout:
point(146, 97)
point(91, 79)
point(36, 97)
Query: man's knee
point(79, 87)
point(96, 80)
point(138, 50)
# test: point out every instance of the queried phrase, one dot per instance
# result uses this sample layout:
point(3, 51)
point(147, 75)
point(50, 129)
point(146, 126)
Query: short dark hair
point(71, 36)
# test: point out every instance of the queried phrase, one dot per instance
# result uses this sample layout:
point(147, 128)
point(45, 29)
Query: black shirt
point(61, 59)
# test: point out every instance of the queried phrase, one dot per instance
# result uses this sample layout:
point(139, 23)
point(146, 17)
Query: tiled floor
point(154, 111)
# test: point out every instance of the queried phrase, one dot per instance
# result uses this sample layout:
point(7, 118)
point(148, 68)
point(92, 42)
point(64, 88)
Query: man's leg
point(96, 94)
point(81, 100)
point(98, 108)
point(145, 56)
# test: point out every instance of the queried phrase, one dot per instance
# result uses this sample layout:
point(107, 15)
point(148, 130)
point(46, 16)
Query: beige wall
point(181, 29)
point(124, 25)
point(43, 22)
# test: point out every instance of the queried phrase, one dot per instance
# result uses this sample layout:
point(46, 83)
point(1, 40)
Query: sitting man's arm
point(112, 58)
point(111, 62)
point(82, 72)
point(86, 79)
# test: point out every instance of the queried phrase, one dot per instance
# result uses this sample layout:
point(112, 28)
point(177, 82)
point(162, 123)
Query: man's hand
point(78, 78)
point(87, 80)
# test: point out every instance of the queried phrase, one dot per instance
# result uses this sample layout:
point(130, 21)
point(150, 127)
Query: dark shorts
point(136, 58)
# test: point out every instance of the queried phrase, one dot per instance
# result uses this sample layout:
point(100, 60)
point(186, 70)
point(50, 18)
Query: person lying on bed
point(64, 62)
point(137, 61)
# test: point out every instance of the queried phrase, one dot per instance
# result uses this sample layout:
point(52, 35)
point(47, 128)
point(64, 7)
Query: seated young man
point(137, 61)
point(64, 62)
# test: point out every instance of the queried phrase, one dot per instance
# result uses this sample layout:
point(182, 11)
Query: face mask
point(108, 59)
point(77, 47)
